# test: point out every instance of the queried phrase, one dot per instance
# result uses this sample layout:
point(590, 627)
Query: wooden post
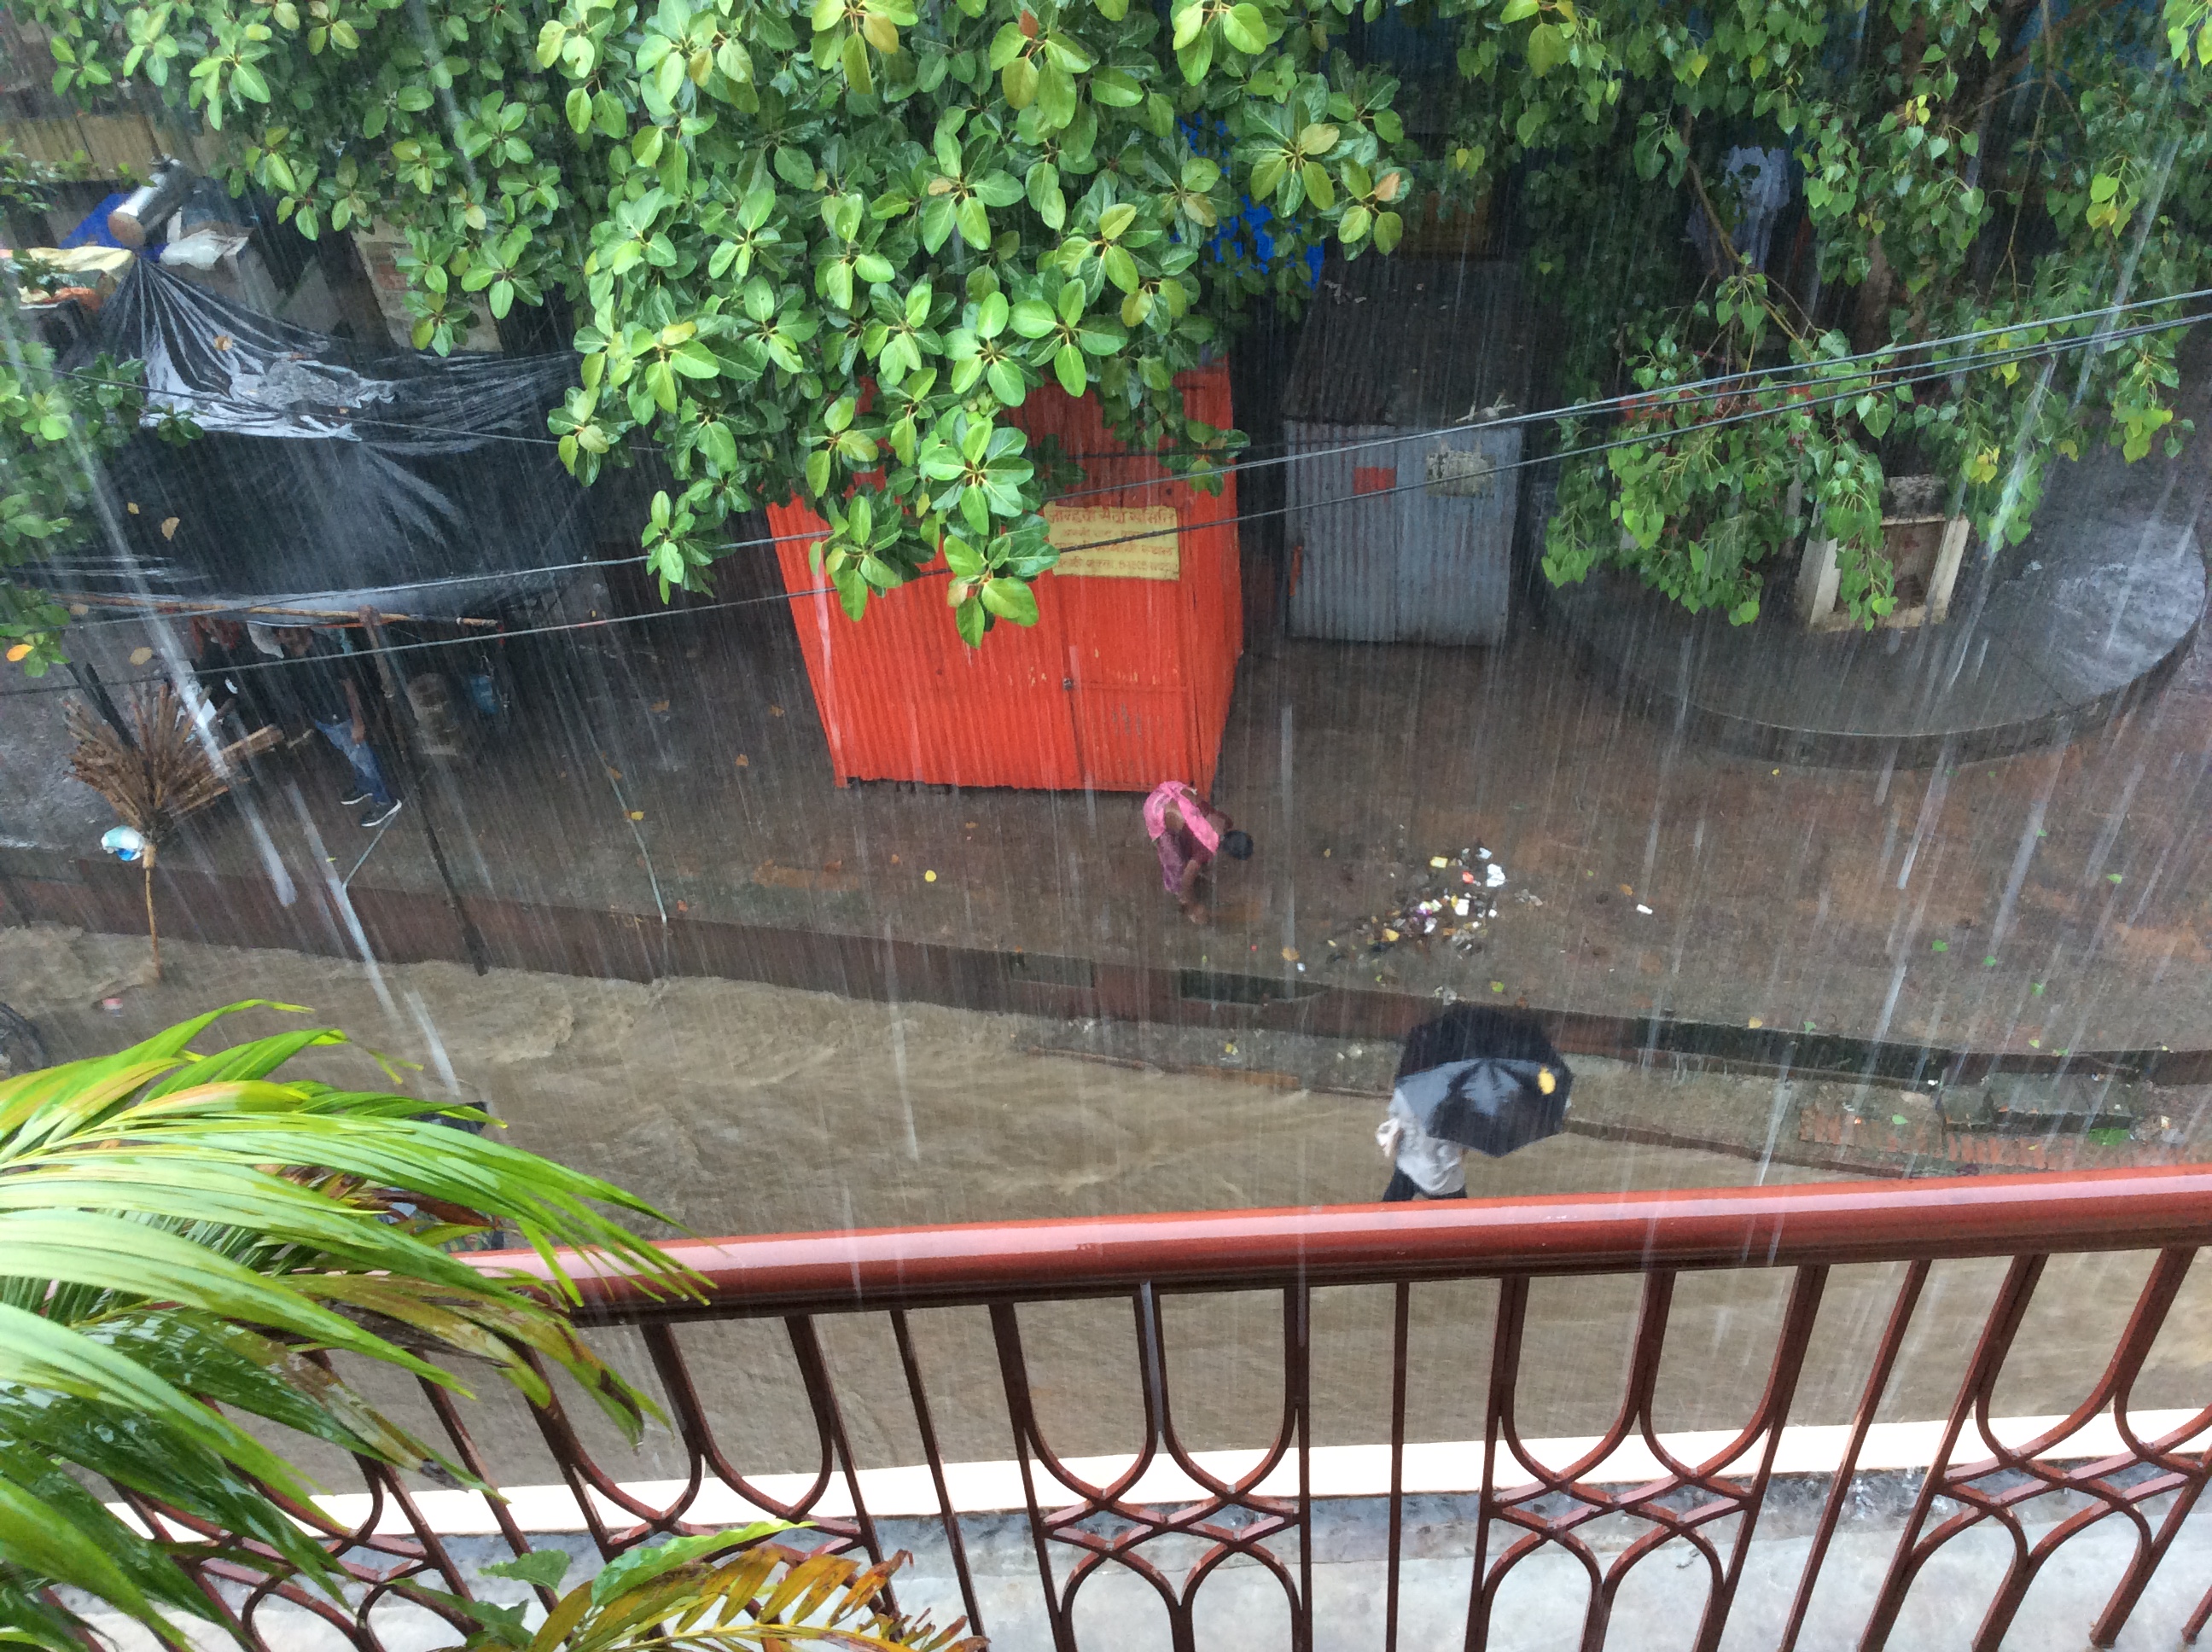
point(411, 777)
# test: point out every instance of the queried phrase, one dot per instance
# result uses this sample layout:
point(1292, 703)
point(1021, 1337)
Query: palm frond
point(181, 1234)
point(676, 1596)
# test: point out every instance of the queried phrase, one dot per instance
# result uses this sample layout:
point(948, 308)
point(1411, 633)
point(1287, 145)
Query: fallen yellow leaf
point(21, 651)
point(929, 877)
point(132, 507)
point(169, 527)
point(637, 814)
point(140, 656)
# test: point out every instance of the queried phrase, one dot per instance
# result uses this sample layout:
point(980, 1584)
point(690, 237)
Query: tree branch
point(2049, 31)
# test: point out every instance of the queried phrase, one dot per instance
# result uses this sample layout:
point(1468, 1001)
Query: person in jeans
point(320, 681)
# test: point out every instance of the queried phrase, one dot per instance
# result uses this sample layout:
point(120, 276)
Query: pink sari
point(1175, 854)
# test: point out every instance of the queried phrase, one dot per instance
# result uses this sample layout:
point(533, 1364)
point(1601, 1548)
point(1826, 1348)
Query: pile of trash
point(1450, 903)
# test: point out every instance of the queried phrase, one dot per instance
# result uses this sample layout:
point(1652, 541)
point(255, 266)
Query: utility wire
point(1928, 373)
point(1707, 389)
point(489, 637)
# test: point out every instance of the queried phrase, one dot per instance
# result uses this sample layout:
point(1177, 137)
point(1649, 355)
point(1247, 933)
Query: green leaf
point(1067, 364)
point(1548, 49)
point(1245, 28)
point(974, 223)
point(544, 1567)
point(1007, 383)
point(1121, 269)
point(1033, 319)
point(1116, 88)
point(1100, 336)
point(855, 61)
point(936, 221)
point(33, 1536)
point(969, 618)
point(795, 167)
point(1056, 95)
point(1010, 599)
point(695, 360)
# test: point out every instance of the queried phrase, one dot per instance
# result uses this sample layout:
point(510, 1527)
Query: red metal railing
point(1080, 1529)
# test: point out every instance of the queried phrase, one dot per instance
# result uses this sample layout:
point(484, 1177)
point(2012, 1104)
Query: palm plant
point(719, 1592)
point(182, 1238)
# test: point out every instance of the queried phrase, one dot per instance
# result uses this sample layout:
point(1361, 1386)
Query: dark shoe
point(378, 814)
point(354, 798)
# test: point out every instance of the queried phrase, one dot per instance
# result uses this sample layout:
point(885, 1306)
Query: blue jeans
point(358, 753)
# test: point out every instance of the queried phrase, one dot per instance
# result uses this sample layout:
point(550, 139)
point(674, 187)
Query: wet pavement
point(2051, 901)
point(673, 764)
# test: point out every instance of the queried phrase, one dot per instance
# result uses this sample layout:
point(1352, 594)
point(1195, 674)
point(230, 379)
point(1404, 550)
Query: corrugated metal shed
point(1402, 522)
point(1124, 681)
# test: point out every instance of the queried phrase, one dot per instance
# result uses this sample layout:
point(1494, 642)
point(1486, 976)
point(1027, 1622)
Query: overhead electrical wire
point(1692, 390)
point(1928, 373)
point(484, 639)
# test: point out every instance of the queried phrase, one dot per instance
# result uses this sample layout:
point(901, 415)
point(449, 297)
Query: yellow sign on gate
point(1114, 541)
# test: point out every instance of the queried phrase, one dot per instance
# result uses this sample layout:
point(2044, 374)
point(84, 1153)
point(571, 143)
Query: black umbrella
point(1486, 1078)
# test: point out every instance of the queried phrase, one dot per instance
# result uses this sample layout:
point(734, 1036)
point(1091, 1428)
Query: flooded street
point(743, 1108)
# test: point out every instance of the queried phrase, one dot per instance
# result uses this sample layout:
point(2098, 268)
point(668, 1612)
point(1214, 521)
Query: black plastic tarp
point(419, 484)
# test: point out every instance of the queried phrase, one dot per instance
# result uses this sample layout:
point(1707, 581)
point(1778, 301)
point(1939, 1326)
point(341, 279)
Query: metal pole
point(411, 777)
point(88, 679)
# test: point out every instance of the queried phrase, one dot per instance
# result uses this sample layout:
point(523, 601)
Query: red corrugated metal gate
point(1124, 681)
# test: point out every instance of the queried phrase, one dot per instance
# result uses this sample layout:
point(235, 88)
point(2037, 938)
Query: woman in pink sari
point(1189, 831)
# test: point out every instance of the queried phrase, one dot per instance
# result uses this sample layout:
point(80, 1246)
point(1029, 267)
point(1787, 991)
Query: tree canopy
point(1968, 167)
point(826, 251)
point(807, 244)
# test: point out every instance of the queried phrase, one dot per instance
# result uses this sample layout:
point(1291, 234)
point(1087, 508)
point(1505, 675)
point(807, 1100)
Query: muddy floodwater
point(746, 1109)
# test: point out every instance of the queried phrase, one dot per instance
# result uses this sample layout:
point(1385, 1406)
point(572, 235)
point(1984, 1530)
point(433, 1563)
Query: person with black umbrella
point(1473, 1077)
